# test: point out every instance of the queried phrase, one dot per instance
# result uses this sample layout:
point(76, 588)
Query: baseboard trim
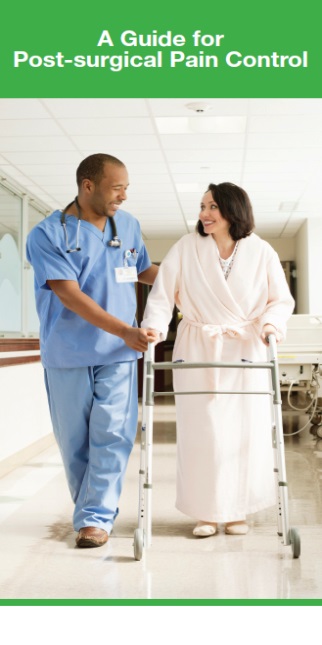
point(19, 458)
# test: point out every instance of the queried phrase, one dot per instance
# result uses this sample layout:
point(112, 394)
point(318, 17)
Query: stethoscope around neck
point(114, 242)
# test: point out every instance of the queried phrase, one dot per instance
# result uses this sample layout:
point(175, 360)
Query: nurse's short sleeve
point(47, 260)
point(143, 261)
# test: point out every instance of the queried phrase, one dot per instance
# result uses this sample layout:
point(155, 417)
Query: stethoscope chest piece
point(115, 242)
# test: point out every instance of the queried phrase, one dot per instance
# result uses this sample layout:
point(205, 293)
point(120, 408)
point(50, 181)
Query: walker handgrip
point(271, 340)
point(149, 354)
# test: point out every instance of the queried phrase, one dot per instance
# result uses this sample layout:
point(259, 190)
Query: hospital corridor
point(194, 226)
point(39, 559)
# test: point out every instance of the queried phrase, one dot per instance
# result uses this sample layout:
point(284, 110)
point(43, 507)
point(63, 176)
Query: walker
point(143, 534)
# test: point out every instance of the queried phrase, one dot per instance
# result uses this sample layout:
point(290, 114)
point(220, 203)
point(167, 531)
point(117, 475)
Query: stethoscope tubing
point(115, 242)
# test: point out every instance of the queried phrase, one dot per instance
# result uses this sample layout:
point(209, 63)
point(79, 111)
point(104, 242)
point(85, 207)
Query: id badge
point(126, 274)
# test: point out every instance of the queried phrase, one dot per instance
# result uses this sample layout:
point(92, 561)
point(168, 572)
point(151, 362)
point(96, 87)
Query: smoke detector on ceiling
point(199, 107)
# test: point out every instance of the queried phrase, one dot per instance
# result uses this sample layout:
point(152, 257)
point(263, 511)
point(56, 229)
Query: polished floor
point(38, 558)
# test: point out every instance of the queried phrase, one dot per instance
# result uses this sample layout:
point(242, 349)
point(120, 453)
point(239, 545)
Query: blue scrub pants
point(94, 412)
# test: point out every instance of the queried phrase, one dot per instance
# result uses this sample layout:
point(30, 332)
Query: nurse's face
point(107, 196)
point(211, 218)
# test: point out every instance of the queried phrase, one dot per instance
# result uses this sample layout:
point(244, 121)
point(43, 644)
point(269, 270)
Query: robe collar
point(227, 291)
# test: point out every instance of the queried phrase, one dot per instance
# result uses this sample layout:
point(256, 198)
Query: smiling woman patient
point(231, 289)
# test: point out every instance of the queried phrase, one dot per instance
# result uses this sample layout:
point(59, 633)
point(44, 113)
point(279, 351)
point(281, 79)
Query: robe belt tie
point(234, 331)
point(217, 332)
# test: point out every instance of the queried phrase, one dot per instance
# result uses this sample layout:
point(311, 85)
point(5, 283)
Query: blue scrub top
point(66, 339)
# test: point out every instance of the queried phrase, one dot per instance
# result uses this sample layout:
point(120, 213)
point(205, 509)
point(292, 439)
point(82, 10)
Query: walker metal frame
point(143, 534)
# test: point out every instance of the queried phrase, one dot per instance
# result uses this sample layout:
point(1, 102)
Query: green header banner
point(140, 49)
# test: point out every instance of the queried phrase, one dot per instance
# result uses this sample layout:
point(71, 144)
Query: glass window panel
point(34, 217)
point(10, 262)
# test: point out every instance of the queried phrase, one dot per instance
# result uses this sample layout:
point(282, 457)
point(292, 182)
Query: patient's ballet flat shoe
point(205, 529)
point(236, 528)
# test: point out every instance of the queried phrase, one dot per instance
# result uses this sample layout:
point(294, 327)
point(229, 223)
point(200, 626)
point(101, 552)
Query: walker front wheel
point(295, 543)
point(317, 419)
point(138, 543)
point(319, 430)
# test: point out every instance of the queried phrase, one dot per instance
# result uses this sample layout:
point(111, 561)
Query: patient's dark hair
point(235, 206)
point(93, 167)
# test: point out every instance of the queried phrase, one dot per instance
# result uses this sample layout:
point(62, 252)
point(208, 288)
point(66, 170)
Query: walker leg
point(290, 536)
point(277, 488)
point(142, 535)
point(149, 445)
point(281, 476)
point(139, 532)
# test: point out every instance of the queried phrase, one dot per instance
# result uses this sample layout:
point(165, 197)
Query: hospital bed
point(300, 365)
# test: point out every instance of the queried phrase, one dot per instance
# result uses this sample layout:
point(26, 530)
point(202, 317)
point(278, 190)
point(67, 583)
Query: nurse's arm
point(75, 300)
point(149, 275)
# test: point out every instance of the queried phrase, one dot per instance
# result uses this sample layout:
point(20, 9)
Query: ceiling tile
point(202, 156)
point(26, 128)
point(104, 126)
point(95, 108)
point(290, 140)
point(285, 106)
point(202, 141)
point(90, 144)
point(201, 125)
point(294, 123)
point(34, 144)
point(22, 109)
point(44, 157)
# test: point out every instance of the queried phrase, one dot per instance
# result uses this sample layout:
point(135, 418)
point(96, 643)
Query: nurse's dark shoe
point(90, 536)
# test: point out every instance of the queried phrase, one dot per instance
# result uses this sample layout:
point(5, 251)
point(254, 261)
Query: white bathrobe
point(224, 441)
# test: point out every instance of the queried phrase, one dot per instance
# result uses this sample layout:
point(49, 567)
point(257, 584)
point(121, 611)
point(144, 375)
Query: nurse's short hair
point(235, 206)
point(93, 167)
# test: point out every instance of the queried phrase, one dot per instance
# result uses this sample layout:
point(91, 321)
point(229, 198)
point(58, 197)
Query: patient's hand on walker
point(153, 336)
point(269, 329)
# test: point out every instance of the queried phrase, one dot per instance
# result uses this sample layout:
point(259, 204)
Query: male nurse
point(87, 259)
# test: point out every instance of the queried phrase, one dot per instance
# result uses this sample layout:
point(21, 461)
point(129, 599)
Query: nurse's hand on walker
point(139, 339)
point(269, 329)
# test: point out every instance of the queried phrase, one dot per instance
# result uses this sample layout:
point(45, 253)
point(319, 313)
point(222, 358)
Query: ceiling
point(270, 147)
